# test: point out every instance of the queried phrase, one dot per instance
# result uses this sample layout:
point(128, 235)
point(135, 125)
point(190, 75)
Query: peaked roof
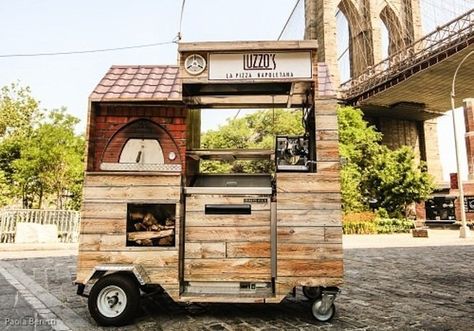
point(139, 83)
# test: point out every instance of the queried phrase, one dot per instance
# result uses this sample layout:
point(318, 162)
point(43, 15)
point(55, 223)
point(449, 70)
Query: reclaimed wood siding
point(103, 226)
point(309, 228)
point(222, 248)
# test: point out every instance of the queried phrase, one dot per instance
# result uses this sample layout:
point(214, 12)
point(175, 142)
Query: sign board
point(469, 204)
point(260, 66)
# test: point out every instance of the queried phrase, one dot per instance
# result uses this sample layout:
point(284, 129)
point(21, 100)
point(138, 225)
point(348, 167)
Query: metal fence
point(67, 222)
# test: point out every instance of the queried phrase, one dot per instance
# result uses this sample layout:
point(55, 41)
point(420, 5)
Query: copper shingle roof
point(139, 83)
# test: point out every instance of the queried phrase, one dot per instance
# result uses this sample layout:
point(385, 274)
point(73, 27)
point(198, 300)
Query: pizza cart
point(151, 219)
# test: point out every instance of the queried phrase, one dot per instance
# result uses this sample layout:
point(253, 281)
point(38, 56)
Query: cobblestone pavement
point(423, 288)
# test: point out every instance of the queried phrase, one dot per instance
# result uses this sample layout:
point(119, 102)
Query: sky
point(32, 26)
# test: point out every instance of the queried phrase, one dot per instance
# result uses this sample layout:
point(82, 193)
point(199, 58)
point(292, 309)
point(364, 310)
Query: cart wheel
point(322, 317)
point(312, 292)
point(114, 300)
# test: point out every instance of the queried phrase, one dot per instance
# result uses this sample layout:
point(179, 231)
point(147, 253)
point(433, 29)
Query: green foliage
point(17, 109)
point(396, 181)
point(51, 162)
point(5, 189)
point(256, 130)
point(351, 182)
point(41, 158)
point(365, 216)
point(378, 226)
point(372, 170)
point(359, 227)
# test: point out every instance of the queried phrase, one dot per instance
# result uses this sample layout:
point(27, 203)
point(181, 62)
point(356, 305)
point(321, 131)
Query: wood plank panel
point(227, 234)
point(132, 192)
point(309, 251)
point(102, 242)
point(302, 234)
point(328, 167)
point(287, 201)
point(166, 275)
point(205, 250)
point(310, 268)
point(101, 225)
point(327, 135)
point(243, 266)
point(132, 180)
point(198, 218)
point(236, 277)
point(233, 100)
point(163, 276)
point(285, 285)
point(82, 274)
point(197, 202)
point(248, 249)
point(312, 217)
point(313, 183)
point(326, 106)
point(103, 210)
point(327, 150)
point(247, 46)
point(172, 290)
point(155, 259)
point(326, 122)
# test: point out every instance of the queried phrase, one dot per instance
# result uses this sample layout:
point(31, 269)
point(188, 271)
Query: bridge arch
point(360, 36)
point(397, 39)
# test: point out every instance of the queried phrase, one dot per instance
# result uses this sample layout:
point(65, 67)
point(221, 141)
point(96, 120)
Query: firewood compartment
point(151, 225)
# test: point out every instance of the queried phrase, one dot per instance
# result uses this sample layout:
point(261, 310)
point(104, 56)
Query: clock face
point(195, 64)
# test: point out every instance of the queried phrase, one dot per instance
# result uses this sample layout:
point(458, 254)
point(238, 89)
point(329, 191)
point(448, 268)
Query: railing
point(67, 222)
point(443, 38)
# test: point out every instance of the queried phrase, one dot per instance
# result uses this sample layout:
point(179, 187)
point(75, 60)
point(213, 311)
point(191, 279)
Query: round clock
point(195, 64)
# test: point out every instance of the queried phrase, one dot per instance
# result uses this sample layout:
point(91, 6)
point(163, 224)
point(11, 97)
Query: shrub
point(365, 216)
point(377, 226)
point(359, 227)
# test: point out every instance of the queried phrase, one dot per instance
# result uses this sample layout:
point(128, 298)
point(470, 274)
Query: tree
point(41, 157)
point(371, 170)
point(396, 181)
point(18, 109)
point(51, 163)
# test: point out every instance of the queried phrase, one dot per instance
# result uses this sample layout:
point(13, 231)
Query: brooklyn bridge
point(396, 60)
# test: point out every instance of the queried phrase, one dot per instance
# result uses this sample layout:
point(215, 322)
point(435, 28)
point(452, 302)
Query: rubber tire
point(326, 318)
point(129, 286)
point(312, 293)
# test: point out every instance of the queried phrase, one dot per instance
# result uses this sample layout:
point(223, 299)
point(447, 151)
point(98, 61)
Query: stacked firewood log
point(148, 231)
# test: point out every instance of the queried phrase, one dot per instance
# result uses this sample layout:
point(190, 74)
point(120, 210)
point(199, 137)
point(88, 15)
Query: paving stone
point(424, 288)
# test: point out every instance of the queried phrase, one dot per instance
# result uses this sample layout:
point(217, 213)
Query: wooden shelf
point(231, 154)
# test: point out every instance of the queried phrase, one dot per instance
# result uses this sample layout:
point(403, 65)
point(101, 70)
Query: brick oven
point(127, 130)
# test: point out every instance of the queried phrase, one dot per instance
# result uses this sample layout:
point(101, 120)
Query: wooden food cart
point(150, 219)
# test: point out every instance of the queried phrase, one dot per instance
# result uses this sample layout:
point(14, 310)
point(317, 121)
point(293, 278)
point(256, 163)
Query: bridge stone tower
point(365, 18)
point(404, 123)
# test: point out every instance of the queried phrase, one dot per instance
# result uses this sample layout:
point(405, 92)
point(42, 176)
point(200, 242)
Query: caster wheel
point(114, 300)
point(322, 317)
point(312, 293)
